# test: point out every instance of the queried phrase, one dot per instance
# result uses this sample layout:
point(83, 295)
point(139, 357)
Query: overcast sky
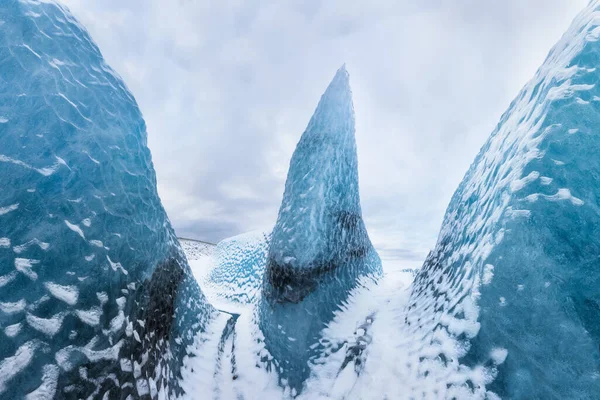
point(228, 86)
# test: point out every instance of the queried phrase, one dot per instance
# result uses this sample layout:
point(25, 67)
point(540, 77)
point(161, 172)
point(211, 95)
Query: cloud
point(227, 88)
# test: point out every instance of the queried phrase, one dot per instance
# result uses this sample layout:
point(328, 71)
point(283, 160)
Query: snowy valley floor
point(226, 361)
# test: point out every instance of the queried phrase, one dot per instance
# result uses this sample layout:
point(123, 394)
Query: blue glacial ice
point(319, 249)
point(514, 277)
point(239, 268)
point(94, 287)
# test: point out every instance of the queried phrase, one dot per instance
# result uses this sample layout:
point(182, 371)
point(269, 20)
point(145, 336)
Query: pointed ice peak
point(319, 249)
point(335, 111)
point(342, 75)
point(340, 84)
point(321, 191)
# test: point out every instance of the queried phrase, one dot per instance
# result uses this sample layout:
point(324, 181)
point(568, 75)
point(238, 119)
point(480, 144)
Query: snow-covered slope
point(196, 249)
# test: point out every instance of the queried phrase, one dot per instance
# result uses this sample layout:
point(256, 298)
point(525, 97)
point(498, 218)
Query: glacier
point(96, 297)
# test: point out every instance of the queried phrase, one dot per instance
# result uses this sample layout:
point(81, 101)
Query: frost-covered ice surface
point(508, 302)
point(96, 298)
point(283, 289)
point(239, 267)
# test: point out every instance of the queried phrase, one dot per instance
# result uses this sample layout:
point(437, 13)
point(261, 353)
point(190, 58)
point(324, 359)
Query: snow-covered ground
point(368, 314)
point(200, 257)
point(369, 349)
point(196, 249)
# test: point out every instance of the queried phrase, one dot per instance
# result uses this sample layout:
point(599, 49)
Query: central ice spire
point(320, 222)
point(320, 225)
point(319, 247)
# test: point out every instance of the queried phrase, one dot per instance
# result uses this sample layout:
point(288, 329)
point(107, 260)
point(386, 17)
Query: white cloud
point(227, 88)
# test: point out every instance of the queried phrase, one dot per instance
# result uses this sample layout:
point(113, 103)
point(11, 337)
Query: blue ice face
point(515, 274)
point(92, 278)
point(320, 248)
point(239, 267)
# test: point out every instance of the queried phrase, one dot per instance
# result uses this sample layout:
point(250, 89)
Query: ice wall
point(94, 288)
point(514, 277)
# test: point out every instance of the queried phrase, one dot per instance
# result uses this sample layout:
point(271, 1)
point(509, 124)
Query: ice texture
point(514, 277)
point(319, 247)
point(240, 261)
point(87, 250)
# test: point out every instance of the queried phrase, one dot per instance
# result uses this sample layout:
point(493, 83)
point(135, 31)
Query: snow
point(13, 330)
point(47, 388)
point(13, 365)
point(13, 307)
point(75, 228)
point(7, 209)
point(68, 294)
point(90, 317)
point(25, 265)
point(48, 326)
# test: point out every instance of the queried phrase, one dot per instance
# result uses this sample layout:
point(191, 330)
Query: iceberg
point(96, 297)
point(319, 249)
point(514, 278)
